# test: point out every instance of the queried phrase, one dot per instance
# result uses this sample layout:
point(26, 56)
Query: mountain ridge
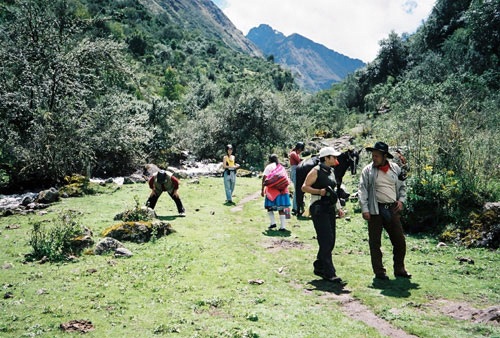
point(211, 20)
point(315, 66)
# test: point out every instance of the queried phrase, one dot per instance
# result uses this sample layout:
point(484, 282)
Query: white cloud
point(353, 28)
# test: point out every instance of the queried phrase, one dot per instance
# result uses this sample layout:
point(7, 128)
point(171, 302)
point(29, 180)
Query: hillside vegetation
point(101, 87)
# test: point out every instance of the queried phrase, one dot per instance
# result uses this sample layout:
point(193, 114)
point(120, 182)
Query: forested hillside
point(101, 87)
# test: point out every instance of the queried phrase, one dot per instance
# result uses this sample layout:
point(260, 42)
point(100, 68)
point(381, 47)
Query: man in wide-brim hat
point(381, 197)
point(382, 147)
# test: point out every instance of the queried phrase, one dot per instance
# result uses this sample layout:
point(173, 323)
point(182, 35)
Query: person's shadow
point(168, 218)
point(276, 233)
point(399, 287)
point(327, 286)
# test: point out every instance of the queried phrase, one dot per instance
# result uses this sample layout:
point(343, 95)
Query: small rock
point(12, 226)
point(465, 260)
point(123, 252)
point(78, 325)
point(256, 281)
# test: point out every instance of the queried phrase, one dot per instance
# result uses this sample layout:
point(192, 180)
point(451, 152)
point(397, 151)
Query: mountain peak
point(316, 67)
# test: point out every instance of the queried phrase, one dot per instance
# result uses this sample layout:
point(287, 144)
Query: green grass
point(195, 282)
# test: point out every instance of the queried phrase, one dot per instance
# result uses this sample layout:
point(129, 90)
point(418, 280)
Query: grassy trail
point(222, 274)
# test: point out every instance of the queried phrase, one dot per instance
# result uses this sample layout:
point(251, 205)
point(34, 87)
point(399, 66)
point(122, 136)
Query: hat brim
point(337, 154)
point(389, 155)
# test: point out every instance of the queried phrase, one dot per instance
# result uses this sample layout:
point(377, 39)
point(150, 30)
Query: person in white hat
point(321, 184)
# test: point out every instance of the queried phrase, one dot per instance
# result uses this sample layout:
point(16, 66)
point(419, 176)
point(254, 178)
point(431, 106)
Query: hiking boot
point(333, 279)
point(403, 274)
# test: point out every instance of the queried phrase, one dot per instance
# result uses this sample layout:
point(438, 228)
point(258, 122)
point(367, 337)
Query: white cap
point(328, 151)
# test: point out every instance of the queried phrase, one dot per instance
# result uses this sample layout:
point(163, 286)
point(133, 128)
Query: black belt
point(386, 205)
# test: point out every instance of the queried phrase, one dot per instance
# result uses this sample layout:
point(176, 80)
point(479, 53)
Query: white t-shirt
point(385, 187)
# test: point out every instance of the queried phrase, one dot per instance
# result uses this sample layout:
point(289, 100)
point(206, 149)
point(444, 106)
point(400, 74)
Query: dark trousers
point(324, 224)
point(151, 202)
point(394, 229)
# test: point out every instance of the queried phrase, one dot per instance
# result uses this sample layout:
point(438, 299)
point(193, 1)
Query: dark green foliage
point(50, 90)
point(65, 99)
point(138, 44)
point(446, 17)
point(392, 57)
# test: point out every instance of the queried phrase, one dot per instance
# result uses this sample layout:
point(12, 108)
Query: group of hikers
point(381, 194)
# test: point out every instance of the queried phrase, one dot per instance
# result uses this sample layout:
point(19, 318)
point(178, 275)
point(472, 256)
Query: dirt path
point(358, 311)
point(244, 200)
point(350, 306)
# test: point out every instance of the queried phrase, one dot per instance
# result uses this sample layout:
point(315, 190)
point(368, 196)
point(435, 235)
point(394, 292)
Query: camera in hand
point(330, 196)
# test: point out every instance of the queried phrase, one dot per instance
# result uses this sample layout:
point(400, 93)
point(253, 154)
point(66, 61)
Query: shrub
point(137, 214)
point(55, 243)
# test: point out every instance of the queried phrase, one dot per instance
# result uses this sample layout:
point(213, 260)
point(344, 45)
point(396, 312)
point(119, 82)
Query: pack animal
point(305, 166)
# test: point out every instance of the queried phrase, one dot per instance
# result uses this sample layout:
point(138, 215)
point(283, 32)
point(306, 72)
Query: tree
point(392, 57)
point(445, 18)
point(51, 76)
point(172, 89)
point(138, 44)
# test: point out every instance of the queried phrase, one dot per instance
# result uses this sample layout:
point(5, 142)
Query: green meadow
point(223, 274)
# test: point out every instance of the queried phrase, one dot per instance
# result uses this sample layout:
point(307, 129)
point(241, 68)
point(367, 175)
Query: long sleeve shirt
point(367, 190)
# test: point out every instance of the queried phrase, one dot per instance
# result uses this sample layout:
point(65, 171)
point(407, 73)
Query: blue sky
point(350, 27)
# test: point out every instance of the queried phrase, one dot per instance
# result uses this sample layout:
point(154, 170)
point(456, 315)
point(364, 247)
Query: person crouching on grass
point(164, 181)
point(320, 183)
